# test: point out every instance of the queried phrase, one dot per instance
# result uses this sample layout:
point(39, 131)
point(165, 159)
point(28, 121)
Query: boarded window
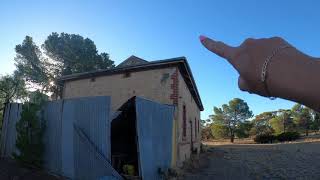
point(184, 121)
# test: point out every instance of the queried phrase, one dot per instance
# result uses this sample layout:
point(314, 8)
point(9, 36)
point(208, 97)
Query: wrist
point(292, 76)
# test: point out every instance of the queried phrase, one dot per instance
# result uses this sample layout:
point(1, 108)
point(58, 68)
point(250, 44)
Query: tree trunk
point(232, 138)
point(307, 132)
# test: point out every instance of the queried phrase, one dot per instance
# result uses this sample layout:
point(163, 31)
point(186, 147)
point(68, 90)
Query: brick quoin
point(174, 86)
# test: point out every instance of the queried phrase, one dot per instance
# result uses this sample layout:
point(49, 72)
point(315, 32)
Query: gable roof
point(180, 62)
point(132, 60)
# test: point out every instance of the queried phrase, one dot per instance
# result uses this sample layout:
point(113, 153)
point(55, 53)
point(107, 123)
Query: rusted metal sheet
point(154, 129)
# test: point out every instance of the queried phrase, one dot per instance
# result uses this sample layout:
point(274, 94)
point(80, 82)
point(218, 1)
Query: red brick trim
point(175, 87)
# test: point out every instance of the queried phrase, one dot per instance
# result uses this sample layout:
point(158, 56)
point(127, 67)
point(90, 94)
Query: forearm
point(296, 78)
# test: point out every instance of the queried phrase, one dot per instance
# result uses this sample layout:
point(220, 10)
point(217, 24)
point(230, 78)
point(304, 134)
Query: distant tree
point(261, 124)
point(12, 87)
point(62, 54)
point(285, 116)
point(302, 117)
point(243, 130)
point(277, 125)
point(205, 123)
point(206, 133)
point(219, 130)
point(232, 115)
point(282, 122)
point(315, 124)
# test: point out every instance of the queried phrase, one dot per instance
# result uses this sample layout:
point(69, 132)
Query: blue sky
point(156, 30)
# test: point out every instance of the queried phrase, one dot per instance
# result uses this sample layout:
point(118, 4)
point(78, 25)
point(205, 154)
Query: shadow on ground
point(10, 170)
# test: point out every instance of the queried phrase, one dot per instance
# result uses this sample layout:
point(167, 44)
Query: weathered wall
point(161, 85)
point(151, 84)
point(192, 115)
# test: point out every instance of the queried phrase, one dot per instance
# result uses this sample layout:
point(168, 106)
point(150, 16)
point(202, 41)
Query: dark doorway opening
point(124, 148)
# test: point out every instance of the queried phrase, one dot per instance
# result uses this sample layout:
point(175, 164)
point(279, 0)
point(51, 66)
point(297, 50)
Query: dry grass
point(311, 138)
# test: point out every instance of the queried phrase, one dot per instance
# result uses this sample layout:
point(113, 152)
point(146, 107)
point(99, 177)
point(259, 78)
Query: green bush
point(219, 130)
point(30, 131)
point(288, 136)
point(264, 138)
point(268, 138)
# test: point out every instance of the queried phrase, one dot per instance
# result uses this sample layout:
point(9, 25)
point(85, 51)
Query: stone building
point(168, 81)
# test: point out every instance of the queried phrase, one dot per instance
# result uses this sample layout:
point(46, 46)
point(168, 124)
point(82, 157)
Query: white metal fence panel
point(52, 116)
point(8, 133)
point(77, 154)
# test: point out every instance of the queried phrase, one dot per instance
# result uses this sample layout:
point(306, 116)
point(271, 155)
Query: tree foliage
point(31, 64)
point(30, 129)
point(277, 125)
point(75, 53)
point(261, 124)
point(315, 125)
point(11, 87)
point(243, 130)
point(61, 54)
point(282, 122)
point(206, 133)
point(302, 117)
point(232, 120)
point(232, 115)
point(219, 130)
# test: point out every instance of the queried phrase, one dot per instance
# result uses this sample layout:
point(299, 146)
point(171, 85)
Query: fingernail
point(202, 38)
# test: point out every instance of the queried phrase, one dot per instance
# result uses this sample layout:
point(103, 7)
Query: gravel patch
point(273, 161)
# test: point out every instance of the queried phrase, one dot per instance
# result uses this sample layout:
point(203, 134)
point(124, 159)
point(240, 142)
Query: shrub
point(30, 129)
point(29, 137)
point(264, 138)
point(288, 136)
point(206, 134)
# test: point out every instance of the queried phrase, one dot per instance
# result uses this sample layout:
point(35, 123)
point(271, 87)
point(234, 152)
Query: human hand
point(248, 60)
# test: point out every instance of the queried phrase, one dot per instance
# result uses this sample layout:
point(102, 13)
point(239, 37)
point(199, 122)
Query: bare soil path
point(10, 170)
point(300, 160)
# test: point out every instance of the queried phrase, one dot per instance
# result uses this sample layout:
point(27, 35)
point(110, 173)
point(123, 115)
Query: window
point(184, 121)
point(195, 128)
point(198, 125)
point(126, 75)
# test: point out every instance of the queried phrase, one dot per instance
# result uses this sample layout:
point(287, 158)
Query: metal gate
point(77, 137)
point(154, 129)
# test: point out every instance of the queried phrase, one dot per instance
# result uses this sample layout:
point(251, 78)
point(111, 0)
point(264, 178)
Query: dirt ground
point(10, 170)
point(297, 160)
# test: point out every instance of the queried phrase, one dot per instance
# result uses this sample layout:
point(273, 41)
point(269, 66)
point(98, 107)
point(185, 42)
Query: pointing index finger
point(219, 48)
